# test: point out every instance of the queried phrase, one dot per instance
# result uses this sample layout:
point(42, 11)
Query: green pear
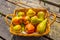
point(41, 27)
point(21, 14)
point(40, 16)
point(17, 28)
point(30, 13)
point(34, 20)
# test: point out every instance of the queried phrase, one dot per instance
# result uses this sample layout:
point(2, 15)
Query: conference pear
point(30, 13)
point(42, 26)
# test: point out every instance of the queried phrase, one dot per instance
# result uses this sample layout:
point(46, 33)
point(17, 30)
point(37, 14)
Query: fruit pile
point(29, 22)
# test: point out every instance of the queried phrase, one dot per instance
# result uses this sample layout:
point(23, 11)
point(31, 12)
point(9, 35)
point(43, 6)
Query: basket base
point(30, 38)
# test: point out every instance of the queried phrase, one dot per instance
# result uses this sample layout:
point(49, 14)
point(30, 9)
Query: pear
point(30, 13)
point(27, 18)
point(41, 27)
point(21, 14)
point(20, 17)
point(40, 16)
point(17, 28)
point(23, 26)
point(16, 20)
point(34, 19)
point(40, 19)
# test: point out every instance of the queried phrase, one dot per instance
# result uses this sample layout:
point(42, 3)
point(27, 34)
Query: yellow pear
point(30, 13)
point(41, 27)
point(34, 20)
point(40, 16)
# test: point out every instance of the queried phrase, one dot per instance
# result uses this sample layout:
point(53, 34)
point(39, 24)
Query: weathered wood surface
point(7, 8)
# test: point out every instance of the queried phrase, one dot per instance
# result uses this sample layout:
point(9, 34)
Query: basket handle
point(6, 18)
point(54, 18)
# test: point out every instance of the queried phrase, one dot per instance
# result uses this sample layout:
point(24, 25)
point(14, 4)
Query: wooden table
point(7, 8)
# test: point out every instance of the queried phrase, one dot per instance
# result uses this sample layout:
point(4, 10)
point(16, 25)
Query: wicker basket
point(47, 15)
